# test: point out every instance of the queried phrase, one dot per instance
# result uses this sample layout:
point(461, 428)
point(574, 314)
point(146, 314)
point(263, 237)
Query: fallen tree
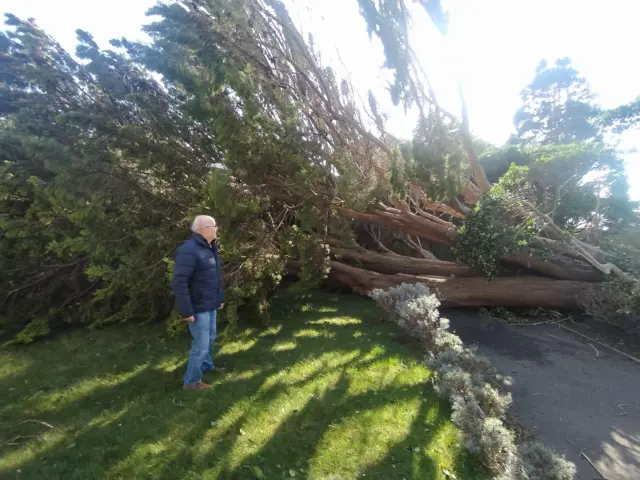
point(471, 292)
point(373, 210)
point(104, 166)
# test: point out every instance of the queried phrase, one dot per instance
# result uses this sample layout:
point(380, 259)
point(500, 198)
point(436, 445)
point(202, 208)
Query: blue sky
point(493, 46)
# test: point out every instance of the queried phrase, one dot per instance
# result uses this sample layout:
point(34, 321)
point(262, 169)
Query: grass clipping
point(474, 389)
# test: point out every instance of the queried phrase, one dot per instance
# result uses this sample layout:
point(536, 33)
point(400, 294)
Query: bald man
point(197, 286)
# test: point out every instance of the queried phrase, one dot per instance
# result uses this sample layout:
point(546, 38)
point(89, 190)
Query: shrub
point(469, 417)
point(492, 402)
point(472, 385)
point(490, 232)
point(497, 446)
point(479, 367)
point(415, 309)
point(36, 328)
point(453, 382)
point(540, 463)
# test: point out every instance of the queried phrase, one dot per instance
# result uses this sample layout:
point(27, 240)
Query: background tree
point(624, 117)
point(578, 178)
point(557, 108)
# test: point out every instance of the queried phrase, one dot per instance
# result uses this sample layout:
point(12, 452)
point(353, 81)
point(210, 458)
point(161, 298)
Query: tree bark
point(514, 292)
point(406, 222)
point(558, 268)
point(444, 233)
point(401, 264)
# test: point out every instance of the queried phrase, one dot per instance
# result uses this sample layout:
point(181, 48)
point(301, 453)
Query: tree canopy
point(624, 117)
point(557, 107)
point(560, 141)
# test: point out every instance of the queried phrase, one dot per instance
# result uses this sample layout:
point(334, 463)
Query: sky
point(493, 47)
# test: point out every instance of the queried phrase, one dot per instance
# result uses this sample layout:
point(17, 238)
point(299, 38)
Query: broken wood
point(516, 292)
point(403, 264)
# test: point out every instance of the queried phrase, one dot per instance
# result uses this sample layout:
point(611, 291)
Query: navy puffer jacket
point(197, 280)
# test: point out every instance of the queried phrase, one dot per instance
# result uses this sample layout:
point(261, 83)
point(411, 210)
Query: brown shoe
point(197, 386)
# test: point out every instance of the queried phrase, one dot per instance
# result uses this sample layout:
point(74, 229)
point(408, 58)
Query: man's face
point(209, 230)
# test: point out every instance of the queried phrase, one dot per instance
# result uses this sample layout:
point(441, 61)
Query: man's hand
point(221, 306)
point(190, 319)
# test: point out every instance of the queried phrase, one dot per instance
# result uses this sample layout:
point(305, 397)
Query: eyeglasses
point(210, 226)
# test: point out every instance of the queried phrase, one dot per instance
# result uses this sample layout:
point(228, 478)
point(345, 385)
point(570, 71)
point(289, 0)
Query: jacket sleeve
point(182, 272)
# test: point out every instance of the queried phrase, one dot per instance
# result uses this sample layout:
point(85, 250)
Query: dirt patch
point(570, 395)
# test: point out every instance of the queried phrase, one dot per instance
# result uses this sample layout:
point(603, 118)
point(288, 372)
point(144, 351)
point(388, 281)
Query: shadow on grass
point(297, 399)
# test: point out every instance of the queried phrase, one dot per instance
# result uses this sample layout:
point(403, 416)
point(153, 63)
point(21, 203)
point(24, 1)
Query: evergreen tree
point(557, 108)
point(578, 178)
point(100, 171)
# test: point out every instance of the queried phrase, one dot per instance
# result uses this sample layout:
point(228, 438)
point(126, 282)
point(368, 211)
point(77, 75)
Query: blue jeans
point(203, 332)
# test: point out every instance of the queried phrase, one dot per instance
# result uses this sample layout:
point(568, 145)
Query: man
point(197, 286)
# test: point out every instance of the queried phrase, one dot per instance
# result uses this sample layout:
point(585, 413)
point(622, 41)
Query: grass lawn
point(328, 391)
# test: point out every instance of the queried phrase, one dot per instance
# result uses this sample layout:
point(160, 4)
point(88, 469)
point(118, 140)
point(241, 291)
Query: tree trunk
point(402, 264)
point(444, 233)
point(515, 292)
point(406, 222)
point(559, 268)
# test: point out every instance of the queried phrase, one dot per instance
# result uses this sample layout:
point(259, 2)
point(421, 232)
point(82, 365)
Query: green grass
point(327, 392)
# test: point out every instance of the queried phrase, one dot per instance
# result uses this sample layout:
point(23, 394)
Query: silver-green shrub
point(492, 401)
point(540, 463)
point(498, 449)
point(453, 381)
point(473, 387)
point(469, 417)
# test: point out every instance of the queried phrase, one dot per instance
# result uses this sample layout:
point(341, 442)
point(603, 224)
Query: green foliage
point(618, 302)
point(398, 180)
point(496, 161)
point(388, 20)
point(575, 176)
point(275, 153)
point(436, 159)
point(175, 324)
point(103, 168)
point(490, 232)
point(312, 255)
point(98, 166)
point(624, 117)
point(556, 182)
point(35, 329)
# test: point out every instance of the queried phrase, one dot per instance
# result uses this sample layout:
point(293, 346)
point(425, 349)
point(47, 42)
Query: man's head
point(205, 226)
